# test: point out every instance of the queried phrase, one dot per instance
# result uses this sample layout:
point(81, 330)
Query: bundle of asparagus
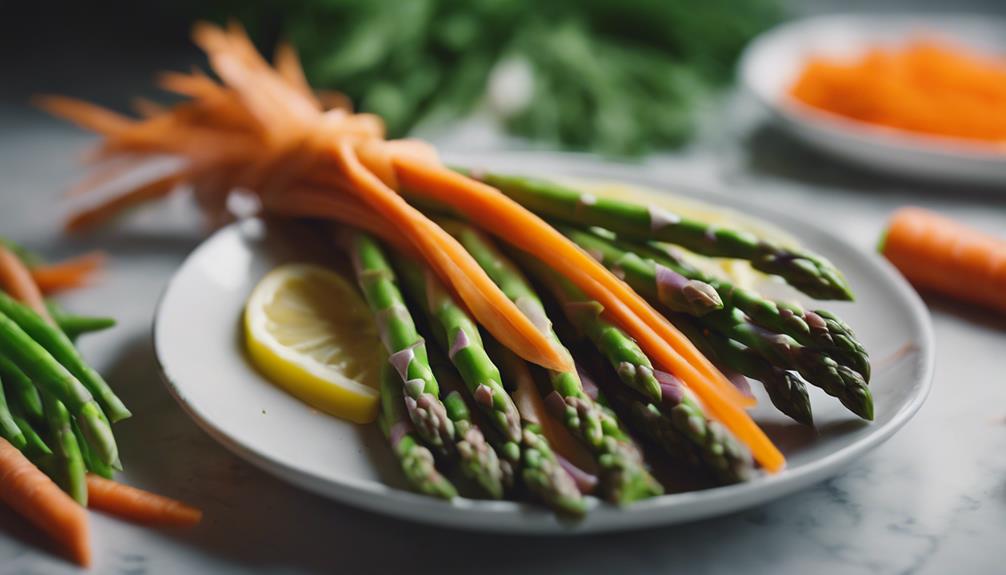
point(535, 422)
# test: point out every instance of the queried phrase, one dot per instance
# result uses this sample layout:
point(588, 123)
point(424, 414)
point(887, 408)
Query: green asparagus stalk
point(415, 459)
point(624, 474)
point(784, 352)
point(62, 349)
point(540, 468)
point(785, 389)
point(819, 329)
point(625, 356)
point(398, 332)
point(49, 375)
point(808, 272)
point(35, 449)
point(672, 411)
point(781, 350)
point(91, 462)
point(21, 390)
point(653, 281)
point(686, 434)
point(458, 334)
point(67, 464)
point(74, 325)
point(479, 461)
point(8, 427)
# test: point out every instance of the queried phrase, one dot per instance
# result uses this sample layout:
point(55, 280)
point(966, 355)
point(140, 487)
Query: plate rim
point(691, 505)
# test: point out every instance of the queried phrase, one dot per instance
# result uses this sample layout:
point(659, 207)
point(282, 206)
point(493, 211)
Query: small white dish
point(198, 342)
point(773, 61)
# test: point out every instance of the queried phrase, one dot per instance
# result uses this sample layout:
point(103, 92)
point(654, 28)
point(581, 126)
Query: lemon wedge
point(310, 332)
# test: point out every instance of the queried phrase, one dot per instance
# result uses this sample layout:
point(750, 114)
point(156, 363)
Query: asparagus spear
point(35, 449)
point(780, 350)
point(808, 272)
point(479, 461)
point(398, 332)
point(59, 345)
point(672, 416)
point(92, 463)
point(540, 469)
point(8, 427)
point(624, 474)
point(67, 464)
point(456, 331)
point(74, 325)
point(819, 329)
point(49, 375)
point(784, 352)
point(21, 390)
point(680, 427)
point(786, 390)
point(415, 459)
point(654, 281)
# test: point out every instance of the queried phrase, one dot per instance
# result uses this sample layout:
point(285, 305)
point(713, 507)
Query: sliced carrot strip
point(455, 266)
point(308, 203)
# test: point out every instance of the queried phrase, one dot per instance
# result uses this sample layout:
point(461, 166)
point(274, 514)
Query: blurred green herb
point(618, 77)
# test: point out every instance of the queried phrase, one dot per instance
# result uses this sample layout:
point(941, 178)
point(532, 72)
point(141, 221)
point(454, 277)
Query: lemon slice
point(309, 331)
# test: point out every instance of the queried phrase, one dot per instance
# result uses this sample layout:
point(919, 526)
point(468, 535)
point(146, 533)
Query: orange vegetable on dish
point(925, 87)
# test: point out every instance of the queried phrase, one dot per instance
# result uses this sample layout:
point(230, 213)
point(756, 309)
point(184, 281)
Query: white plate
point(773, 61)
point(198, 344)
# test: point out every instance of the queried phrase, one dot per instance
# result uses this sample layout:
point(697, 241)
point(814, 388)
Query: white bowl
point(773, 61)
point(198, 343)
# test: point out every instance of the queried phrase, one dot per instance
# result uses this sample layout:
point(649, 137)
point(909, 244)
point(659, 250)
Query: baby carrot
point(941, 255)
point(138, 505)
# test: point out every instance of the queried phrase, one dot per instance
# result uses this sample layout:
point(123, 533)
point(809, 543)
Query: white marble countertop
point(930, 501)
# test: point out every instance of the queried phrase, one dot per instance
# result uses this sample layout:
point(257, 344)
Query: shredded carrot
point(926, 87)
point(35, 497)
point(939, 254)
point(314, 203)
point(137, 505)
point(104, 211)
point(67, 274)
point(16, 280)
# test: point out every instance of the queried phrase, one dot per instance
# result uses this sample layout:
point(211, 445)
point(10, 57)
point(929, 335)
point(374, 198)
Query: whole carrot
point(137, 505)
point(938, 254)
point(35, 497)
